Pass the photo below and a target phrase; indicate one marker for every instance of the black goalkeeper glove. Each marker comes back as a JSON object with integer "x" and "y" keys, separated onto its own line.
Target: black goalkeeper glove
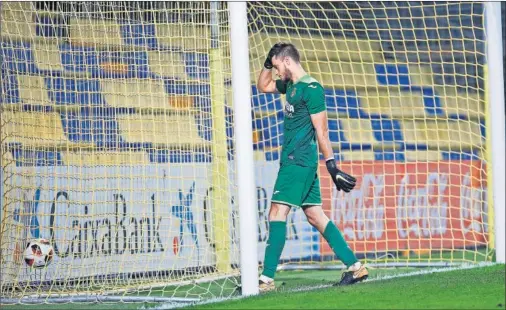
{"x": 268, "y": 60}
{"x": 342, "y": 180}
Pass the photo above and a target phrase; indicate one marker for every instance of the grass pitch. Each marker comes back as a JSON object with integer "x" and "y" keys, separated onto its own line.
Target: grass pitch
{"x": 476, "y": 288}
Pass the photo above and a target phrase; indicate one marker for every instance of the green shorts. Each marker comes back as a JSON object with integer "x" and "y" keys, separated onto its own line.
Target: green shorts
{"x": 297, "y": 186}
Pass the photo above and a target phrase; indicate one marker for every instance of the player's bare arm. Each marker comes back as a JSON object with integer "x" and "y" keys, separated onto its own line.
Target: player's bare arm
{"x": 320, "y": 123}
{"x": 266, "y": 84}
{"x": 342, "y": 180}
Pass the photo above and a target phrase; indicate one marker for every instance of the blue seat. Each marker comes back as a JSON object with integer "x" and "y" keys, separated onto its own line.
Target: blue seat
{"x": 18, "y": 57}
{"x": 50, "y": 26}
{"x": 386, "y": 130}
{"x": 344, "y": 102}
{"x": 389, "y": 155}
{"x": 9, "y": 87}
{"x": 432, "y": 102}
{"x": 141, "y": 34}
{"x": 84, "y": 92}
{"x": 273, "y": 154}
{"x": 272, "y": 131}
{"x": 336, "y": 133}
{"x": 204, "y": 122}
{"x": 105, "y": 64}
{"x": 265, "y": 102}
{"x": 178, "y": 156}
{"x": 97, "y": 125}
{"x": 197, "y": 65}
{"x": 392, "y": 74}
{"x": 78, "y": 58}
{"x": 461, "y": 155}
{"x": 34, "y": 158}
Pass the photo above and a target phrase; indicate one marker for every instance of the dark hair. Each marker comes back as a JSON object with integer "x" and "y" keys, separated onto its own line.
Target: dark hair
{"x": 283, "y": 49}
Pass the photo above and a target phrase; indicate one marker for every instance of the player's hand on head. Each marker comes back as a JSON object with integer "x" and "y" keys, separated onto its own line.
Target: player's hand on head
{"x": 268, "y": 60}
{"x": 342, "y": 180}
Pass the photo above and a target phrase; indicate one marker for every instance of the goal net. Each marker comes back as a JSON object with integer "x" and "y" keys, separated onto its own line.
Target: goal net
{"x": 404, "y": 85}
{"x": 117, "y": 142}
{"x": 117, "y": 147}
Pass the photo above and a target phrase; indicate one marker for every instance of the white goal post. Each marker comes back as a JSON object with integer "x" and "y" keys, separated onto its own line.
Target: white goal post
{"x": 133, "y": 137}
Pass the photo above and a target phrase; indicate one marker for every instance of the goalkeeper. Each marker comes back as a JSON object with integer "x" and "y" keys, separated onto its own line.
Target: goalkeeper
{"x": 298, "y": 183}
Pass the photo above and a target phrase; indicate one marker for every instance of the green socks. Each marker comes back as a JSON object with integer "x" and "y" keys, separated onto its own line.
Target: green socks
{"x": 275, "y": 245}
{"x": 339, "y": 245}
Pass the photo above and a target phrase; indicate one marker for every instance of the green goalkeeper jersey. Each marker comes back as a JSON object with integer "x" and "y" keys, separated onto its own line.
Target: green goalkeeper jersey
{"x": 303, "y": 98}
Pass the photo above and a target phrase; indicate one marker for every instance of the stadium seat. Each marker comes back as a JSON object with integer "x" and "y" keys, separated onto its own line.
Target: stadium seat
{"x": 17, "y": 20}
{"x": 422, "y": 156}
{"x": 342, "y": 49}
{"x": 163, "y": 130}
{"x": 70, "y": 91}
{"x": 336, "y": 134}
{"x": 92, "y": 125}
{"x": 148, "y": 94}
{"x": 358, "y": 131}
{"x": 265, "y": 102}
{"x": 101, "y": 158}
{"x": 18, "y": 57}
{"x": 443, "y": 134}
{"x": 197, "y": 65}
{"x": 465, "y": 134}
{"x": 47, "y": 56}
{"x": 187, "y": 37}
{"x": 139, "y": 33}
{"x": 356, "y": 155}
{"x": 162, "y": 156}
{"x": 167, "y": 64}
{"x": 34, "y": 129}
{"x": 470, "y": 104}
{"x": 323, "y": 48}
{"x": 94, "y": 32}
{"x": 421, "y": 75}
{"x": 387, "y": 131}
{"x": 272, "y": 153}
{"x": 33, "y": 90}
{"x": 30, "y": 157}
{"x": 393, "y": 103}
{"x": 348, "y": 75}
{"x": 343, "y": 102}
{"x": 415, "y": 133}
{"x": 272, "y": 131}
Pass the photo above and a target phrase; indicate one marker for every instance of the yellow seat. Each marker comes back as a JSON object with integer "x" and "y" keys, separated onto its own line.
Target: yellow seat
{"x": 357, "y": 155}
{"x": 167, "y": 64}
{"x": 348, "y": 75}
{"x": 144, "y": 94}
{"x": 420, "y": 75}
{"x": 392, "y": 102}
{"x": 17, "y": 20}
{"x": 423, "y": 156}
{"x": 358, "y": 131}
{"x": 414, "y": 132}
{"x": 33, "y": 90}
{"x": 165, "y": 130}
{"x": 93, "y": 32}
{"x": 323, "y": 48}
{"x": 109, "y": 158}
{"x": 47, "y": 56}
{"x": 443, "y": 134}
{"x": 33, "y": 129}
{"x": 467, "y": 103}
{"x": 187, "y": 37}
{"x": 466, "y": 133}
{"x": 340, "y": 49}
